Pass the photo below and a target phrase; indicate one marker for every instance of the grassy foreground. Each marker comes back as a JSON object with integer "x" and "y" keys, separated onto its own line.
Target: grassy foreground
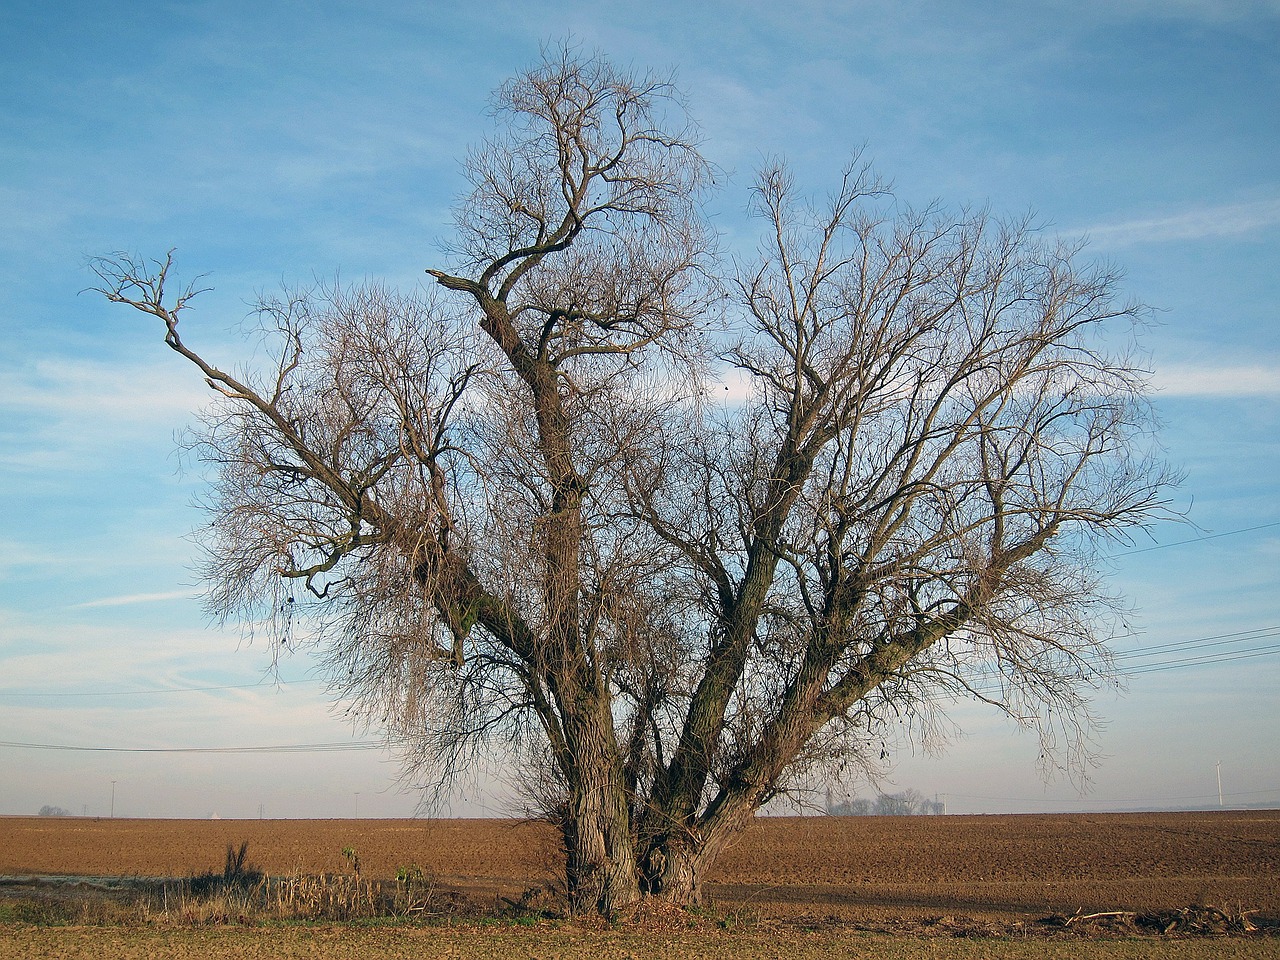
{"x": 425, "y": 943}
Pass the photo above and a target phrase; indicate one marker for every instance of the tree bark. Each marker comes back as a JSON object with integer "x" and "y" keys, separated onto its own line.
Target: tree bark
{"x": 671, "y": 872}
{"x": 600, "y": 858}
{"x": 675, "y": 864}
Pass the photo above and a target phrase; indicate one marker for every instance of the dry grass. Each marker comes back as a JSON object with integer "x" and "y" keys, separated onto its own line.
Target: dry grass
{"x": 198, "y": 901}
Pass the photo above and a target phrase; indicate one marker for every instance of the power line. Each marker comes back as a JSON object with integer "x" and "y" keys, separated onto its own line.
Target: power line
{"x": 1108, "y": 800}
{"x": 157, "y": 692}
{"x": 1203, "y": 661}
{"x": 989, "y": 685}
{"x": 1222, "y": 639}
{"x": 334, "y": 747}
{"x": 1161, "y": 649}
{"x": 1211, "y": 536}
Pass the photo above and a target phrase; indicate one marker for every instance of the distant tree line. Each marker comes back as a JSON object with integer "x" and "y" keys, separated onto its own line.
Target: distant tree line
{"x": 49, "y": 810}
{"x": 908, "y": 803}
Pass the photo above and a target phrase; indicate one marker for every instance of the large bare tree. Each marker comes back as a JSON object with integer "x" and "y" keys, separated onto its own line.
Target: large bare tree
{"x": 518, "y": 511}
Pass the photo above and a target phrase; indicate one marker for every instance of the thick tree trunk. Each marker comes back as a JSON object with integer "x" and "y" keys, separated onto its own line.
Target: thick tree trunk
{"x": 600, "y": 873}
{"x": 674, "y": 865}
{"x": 600, "y": 857}
{"x": 671, "y": 871}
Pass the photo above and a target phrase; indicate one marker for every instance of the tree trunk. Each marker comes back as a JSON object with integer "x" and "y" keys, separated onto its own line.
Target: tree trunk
{"x": 671, "y": 871}
{"x": 600, "y": 857}
{"x": 600, "y": 872}
{"x": 675, "y": 864}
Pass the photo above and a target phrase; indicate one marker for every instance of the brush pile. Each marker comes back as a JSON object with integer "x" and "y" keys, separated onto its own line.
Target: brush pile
{"x": 1198, "y": 920}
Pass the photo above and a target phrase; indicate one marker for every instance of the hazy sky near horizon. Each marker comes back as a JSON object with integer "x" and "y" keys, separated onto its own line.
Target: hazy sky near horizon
{"x": 280, "y": 142}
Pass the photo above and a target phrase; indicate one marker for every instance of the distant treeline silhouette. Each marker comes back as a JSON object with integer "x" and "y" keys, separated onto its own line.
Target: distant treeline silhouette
{"x": 908, "y": 803}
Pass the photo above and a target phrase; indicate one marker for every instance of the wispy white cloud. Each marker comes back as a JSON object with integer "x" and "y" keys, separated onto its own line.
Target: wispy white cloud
{"x": 1200, "y": 223}
{"x": 109, "y": 654}
{"x": 79, "y": 683}
{"x": 65, "y": 387}
{"x": 734, "y": 387}
{"x": 62, "y": 413}
{"x": 1190, "y": 380}
{"x": 18, "y": 555}
{"x": 134, "y": 598}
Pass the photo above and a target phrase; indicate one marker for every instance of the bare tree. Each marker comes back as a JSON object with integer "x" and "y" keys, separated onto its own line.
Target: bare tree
{"x": 509, "y": 512}
{"x": 905, "y": 511}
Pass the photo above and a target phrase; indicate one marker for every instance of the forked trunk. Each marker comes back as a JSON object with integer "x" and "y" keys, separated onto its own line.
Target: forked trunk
{"x": 675, "y": 865}
{"x": 671, "y": 871}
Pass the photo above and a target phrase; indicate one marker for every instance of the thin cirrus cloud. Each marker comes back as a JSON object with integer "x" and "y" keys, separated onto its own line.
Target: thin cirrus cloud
{"x": 60, "y": 385}
{"x": 43, "y": 399}
{"x": 1190, "y": 380}
{"x": 128, "y": 600}
{"x": 1210, "y": 222}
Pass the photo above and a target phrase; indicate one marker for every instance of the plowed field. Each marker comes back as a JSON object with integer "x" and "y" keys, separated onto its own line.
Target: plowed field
{"x": 851, "y": 869}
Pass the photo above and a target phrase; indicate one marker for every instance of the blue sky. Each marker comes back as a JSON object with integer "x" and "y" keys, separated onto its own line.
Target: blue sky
{"x": 275, "y": 142}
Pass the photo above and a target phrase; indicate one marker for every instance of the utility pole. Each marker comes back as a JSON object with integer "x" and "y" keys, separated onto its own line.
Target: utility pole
{"x": 113, "y": 799}
{"x": 1219, "y": 783}
{"x": 357, "y": 804}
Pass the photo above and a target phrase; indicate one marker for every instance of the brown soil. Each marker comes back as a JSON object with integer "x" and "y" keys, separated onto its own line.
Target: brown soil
{"x": 864, "y": 870}
{"x": 569, "y": 943}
